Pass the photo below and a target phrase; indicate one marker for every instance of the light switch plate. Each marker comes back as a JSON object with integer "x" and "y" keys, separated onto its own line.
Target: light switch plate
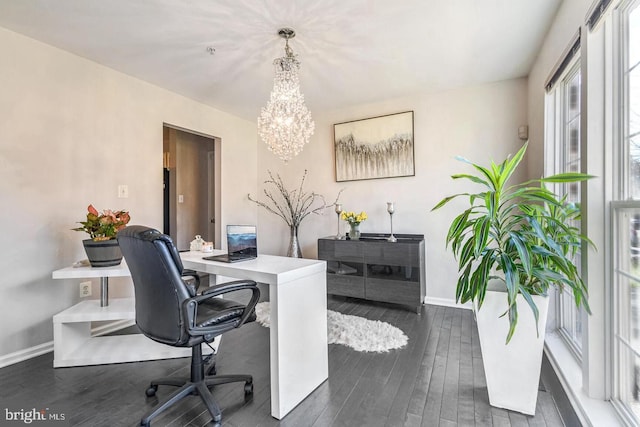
{"x": 123, "y": 191}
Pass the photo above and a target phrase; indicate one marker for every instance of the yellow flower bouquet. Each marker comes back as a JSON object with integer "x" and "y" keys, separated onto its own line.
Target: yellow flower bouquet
{"x": 353, "y": 218}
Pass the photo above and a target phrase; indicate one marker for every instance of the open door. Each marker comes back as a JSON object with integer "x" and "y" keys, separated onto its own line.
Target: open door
{"x": 191, "y": 187}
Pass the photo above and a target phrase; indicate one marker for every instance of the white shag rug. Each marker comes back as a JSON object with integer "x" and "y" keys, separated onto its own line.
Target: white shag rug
{"x": 353, "y": 331}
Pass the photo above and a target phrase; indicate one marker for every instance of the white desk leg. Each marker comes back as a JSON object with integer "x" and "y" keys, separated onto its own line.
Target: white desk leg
{"x": 298, "y": 347}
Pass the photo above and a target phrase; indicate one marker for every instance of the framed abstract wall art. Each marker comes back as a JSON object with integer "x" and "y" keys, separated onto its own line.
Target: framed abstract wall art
{"x": 377, "y": 147}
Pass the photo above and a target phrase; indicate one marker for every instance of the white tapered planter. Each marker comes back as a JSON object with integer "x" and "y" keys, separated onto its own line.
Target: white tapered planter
{"x": 512, "y": 370}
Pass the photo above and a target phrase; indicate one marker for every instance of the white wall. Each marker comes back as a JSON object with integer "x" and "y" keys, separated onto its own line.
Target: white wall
{"x": 568, "y": 20}
{"x": 71, "y": 131}
{"x": 479, "y": 123}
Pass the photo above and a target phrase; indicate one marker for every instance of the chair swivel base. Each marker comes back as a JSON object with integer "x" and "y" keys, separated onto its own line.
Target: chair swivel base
{"x": 200, "y": 388}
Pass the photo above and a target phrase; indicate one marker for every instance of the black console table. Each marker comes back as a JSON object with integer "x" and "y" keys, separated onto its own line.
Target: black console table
{"x": 374, "y": 269}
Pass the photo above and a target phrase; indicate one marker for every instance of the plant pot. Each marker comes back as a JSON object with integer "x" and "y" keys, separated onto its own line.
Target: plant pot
{"x": 512, "y": 370}
{"x": 104, "y": 253}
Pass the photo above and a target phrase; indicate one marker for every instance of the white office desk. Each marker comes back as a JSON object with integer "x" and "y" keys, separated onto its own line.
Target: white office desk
{"x": 298, "y": 332}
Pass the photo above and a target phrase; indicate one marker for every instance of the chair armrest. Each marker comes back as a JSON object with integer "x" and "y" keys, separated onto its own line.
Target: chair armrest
{"x": 190, "y": 306}
{"x": 224, "y": 288}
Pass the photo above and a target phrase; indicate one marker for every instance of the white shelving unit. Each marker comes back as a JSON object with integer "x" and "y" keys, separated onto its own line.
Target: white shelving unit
{"x": 74, "y": 343}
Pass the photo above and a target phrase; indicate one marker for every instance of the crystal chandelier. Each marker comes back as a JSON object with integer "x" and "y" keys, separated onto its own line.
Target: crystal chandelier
{"x": 285, "y": 124}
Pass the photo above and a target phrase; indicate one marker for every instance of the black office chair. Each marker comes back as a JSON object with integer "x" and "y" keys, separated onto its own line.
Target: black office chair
{"x": 169, "y": 311}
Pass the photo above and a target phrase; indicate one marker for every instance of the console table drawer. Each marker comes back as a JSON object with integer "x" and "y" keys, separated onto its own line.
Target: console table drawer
{"x": 348, "y": 286}
{"x": 344, "y": 250}
{"x": 399, "y": 292}
{"x": 392, "y": 254}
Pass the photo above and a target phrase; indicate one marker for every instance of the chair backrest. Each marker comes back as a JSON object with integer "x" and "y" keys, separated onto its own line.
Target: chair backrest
{"x": 155, "y": 267}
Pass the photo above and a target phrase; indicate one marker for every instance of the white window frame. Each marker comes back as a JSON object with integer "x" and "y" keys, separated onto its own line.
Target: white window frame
{"x": 622, "y": 206}
{"x": 556, "y": 101}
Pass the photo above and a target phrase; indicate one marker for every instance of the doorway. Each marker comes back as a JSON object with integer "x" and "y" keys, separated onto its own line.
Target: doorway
{"x": 191, "y": 196}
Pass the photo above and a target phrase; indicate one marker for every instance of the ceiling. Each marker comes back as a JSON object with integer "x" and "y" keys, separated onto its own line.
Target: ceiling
{"x": 352, "y": 51}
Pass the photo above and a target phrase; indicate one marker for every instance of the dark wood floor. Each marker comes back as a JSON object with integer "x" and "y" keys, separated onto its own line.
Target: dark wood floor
{"x": 437, "y": 380}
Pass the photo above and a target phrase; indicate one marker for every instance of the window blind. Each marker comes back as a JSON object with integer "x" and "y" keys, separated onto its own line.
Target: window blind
{"x": 570, "y": 52}
{"x": 596, "y": 12}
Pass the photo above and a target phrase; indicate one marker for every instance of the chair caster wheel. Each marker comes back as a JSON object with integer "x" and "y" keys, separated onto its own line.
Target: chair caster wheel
{"x": 151, "y": 391}
{"x": 248, "y": 388}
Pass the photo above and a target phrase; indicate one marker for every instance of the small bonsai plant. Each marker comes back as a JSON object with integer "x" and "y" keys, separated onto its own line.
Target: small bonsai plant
{"x": 521, "y": 235}
{"x": 105, "y": 225}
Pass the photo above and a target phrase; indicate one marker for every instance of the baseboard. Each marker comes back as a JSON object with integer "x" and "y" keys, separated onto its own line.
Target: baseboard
{"x": 446, "y": 302}
{"x": 47, "y": 347}
{"x": 26, "y": 354}
{"x": 112, "y": 327}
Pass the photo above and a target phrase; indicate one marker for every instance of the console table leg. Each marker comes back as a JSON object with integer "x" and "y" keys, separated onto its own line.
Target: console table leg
{"x": 104, "y": 291}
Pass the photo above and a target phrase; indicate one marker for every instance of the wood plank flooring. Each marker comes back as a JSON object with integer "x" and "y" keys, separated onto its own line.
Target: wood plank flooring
{"x": 436, "y": 380}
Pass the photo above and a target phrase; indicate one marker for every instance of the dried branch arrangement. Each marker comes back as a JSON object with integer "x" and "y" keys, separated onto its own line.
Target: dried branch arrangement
{"x": 292, "y": 205}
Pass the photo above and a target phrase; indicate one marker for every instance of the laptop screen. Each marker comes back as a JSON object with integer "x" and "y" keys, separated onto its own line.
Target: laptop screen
{"x": 242, "y": 240}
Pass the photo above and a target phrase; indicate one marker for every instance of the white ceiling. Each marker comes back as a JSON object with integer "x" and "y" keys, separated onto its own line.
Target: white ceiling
{"x": 352, "y": 51}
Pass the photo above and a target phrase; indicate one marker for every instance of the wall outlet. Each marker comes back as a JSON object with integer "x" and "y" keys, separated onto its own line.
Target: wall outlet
{"x": 85, "y": 289}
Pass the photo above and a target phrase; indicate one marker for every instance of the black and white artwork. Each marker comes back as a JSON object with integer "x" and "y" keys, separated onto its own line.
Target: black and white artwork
{"x": 377, "y": 147}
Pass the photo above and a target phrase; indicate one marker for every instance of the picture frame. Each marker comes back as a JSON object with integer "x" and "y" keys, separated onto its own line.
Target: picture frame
{"x": 375, "y": 147}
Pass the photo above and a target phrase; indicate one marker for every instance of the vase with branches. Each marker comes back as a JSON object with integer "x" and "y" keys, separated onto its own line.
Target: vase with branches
{"x": 293, "y": 206}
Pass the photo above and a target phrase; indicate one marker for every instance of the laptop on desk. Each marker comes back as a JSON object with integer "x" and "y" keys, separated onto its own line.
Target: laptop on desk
{"x": 241, "y": 244}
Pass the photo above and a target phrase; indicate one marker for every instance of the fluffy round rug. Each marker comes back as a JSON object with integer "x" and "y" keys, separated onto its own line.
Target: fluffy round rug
{"x": 353, "y": 331}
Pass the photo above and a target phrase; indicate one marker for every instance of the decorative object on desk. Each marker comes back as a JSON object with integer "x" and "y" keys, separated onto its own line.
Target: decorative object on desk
{"x": 353, "y": 331}
{"x": 102, "y": 248}
{"x": 512, "y": 244}
{"x": 354, "y": 221}
{"x": 207, "y": 246}
{"x": 293, "y": 206}
{"x": 338, "y": 211}
{"x": 391, "y": 209}
{"x": 196, "y": 244}
{"x": 285, "y": 124}
{"x": 377, "y": 147}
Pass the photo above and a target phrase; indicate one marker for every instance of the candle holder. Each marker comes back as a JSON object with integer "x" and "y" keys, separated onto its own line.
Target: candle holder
{"x": 338, "y": 212}
{"x": 391, "y": 210}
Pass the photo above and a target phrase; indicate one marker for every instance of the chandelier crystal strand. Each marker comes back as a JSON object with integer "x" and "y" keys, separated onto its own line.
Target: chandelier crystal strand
{"x": 285, "y": 123}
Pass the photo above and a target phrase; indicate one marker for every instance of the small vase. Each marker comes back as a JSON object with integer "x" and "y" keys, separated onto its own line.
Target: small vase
{"x": 294, "y": 246}
{"x": 104, "y": 253}
{"x": 354, "y": 234}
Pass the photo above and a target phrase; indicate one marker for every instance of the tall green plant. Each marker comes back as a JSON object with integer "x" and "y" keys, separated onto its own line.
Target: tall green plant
{"x": 522, "y": 235}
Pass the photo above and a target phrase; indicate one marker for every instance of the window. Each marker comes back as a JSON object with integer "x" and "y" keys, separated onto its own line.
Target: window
{"x": 626, "y": 218}
{"x": 570, "y": 316}
{"x": 563, "y": 143}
